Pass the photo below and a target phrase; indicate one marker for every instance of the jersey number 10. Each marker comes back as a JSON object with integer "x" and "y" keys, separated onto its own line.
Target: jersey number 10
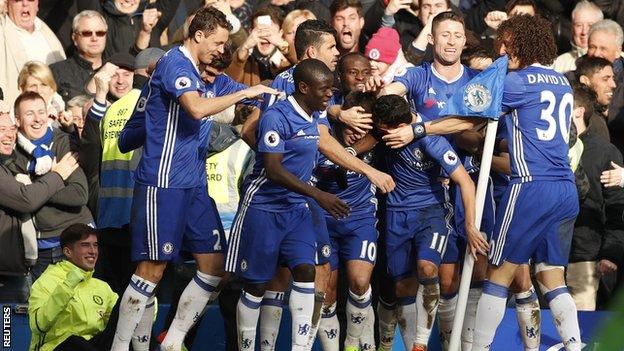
{"x": 562, "y": 114}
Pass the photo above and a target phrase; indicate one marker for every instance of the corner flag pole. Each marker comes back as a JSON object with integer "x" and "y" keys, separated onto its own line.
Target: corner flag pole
{"x": 466, "y": 276}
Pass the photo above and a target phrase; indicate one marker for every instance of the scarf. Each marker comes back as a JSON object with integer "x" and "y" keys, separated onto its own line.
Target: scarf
{"x": 40, "y": 149}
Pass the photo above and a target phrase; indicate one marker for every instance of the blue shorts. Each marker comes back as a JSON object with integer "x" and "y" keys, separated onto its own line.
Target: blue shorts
{"x": 166, "y": 221}
{"x": 456, "y": 247}
{"x": 412, "y": 235}
{"x": 319, "y": 226}
{"x": 535, "y": 220}
{"x": 261, "y": 239}
{"x": 353, "y": 238}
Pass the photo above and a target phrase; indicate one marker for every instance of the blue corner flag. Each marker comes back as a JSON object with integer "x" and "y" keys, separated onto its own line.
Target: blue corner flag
{"x": 482, "y": 95}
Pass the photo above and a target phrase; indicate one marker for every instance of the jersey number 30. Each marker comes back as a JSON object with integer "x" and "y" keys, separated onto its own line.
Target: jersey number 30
{"x": 562, "y": 114}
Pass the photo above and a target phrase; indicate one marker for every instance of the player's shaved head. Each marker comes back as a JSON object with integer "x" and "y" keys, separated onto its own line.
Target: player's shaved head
{"x": 311, "y": 72}
{"x": 390, "y": 111}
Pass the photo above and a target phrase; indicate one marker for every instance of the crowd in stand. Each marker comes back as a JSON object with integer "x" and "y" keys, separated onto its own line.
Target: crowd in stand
{"x": 71, "y": 74}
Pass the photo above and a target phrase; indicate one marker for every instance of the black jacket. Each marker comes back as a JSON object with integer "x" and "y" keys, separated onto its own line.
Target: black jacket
{"x": 17, "y": 199}
{"x": 67, "y": 206}
{"x": 599, "y": 227}
{"x": 123, "y": 29}
{"x": 71, "y": 76}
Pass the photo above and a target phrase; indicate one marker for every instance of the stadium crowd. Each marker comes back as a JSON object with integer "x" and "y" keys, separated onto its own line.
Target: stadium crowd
{"x": 291, "y": 152}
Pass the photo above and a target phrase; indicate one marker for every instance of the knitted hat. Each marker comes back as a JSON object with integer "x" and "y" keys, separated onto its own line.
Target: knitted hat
{"x": 384, "y": 46}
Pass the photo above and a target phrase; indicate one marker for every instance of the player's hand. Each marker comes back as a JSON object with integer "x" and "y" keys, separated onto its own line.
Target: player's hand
{"x": 150, "y": 18}
{"x": 494, "y": 19}
{"x": 399, "y": 137}
{"x": 356, "y": 118}
{"x": 332, "y": 204}
{"x": 613, "y": 177}
{"x": 606, "y": 266}
{"x": 395, "y": 5}
{"x": 258, "y": 90}
{"x": 476, "y": 241}
{"x": 66, "y": 166}
{"x": 381, "y": 180}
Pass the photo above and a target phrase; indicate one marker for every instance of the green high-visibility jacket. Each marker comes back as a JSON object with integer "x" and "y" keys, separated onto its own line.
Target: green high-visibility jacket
{"x": 60, "y": 306}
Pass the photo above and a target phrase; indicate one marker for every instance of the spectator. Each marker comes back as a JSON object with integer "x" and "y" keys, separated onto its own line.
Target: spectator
{"x": 348, "y": 21}
{"x": 18, "y": 200}
{"x": 89, "y": 36}
{"x": 261, "y": 56}
{"x": 597, "y": 74}
{"x": 68, "y": 308}
{"x": 289, "y": 28}
{"x": 144, "y": 63}
{"x": 37, "y": 77}
{"x": 37, "y": 146}
{"x": 584, "y": 15}
{"x": 384, "y": 51}
{"x": 605, "y": 40}
{"x": 24, "y": 38}
{"x": 598, "y": 240}
{"x": 76, "y": 107}
{"x": 119, "y": 74}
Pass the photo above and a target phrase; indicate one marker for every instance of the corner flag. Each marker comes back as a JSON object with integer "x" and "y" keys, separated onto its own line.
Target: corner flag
{"x": 482, "y": 95}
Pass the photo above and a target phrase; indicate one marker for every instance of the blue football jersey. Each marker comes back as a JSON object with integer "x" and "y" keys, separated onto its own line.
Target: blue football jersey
{"x": 416, "y": 169}
{"x": 221, "y": 86}
{"x": 359, "y": 193}
{"x": 539, "y": 102}
{"x": 170, "y": 153}
{"x": 283, "y": 82}
{"x": 287, "y": 129}
{"x": 428, "y": 91}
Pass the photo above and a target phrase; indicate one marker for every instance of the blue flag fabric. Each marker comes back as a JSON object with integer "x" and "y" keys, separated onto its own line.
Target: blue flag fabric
{"x": 482, "y": 96}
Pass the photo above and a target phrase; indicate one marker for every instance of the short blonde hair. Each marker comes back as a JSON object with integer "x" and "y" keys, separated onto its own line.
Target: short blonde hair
{"x": 294, "y": 14}
{"x": 37, "y": 70}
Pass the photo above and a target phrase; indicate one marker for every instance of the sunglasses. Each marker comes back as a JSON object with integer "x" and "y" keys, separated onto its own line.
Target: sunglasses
{"x": 90, "y": 33}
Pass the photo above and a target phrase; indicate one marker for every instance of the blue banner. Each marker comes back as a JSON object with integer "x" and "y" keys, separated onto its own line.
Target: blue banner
{"x": 482, "y": 95}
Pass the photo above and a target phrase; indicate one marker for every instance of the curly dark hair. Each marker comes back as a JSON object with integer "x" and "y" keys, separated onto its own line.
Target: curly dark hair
{"x": 529, "y": 39}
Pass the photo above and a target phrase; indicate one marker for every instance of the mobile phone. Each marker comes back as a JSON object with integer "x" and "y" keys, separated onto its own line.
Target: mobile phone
{"x": 264, "y": 21}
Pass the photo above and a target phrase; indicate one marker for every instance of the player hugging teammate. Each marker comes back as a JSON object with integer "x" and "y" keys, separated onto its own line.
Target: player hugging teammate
{"x": 310, "y": 206}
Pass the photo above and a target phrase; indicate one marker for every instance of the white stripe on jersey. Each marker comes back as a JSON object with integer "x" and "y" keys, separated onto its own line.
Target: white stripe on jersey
{"x": 235, "y": 234}
{"x": 169, "y": 145}
{"x": 523, "y": 168}
{"x": 152, "y": 222}
{"x": 509, "y": 213}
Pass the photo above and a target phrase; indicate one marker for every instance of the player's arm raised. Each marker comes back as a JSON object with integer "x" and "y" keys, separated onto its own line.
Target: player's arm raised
{"x": 199, "y": 107}
{"x": 276, "y": 172}
{"x": 331, "y": 148}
